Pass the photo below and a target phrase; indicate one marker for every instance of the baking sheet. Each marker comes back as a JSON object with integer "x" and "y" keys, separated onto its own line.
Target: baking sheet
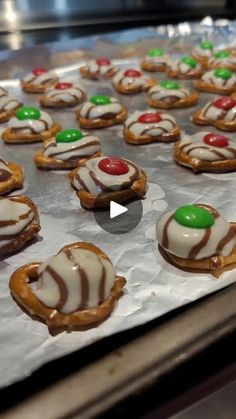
{"x": 153, "y": 287}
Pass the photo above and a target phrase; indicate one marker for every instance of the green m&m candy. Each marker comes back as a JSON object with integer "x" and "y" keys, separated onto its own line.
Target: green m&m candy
{"x": 223, "y": 73}
{"x": 68, "y": 136}
{"x": 206, "y": 45}
{"x": 222, "y": 54}
{"x": 28, "y": 112}
{"x": 194, "y": 216}
{"x": 155, "y": 52}
{"x": 170, "y": 84}
{"x": 100, "y": 100}
{"x": 189, "y": 61}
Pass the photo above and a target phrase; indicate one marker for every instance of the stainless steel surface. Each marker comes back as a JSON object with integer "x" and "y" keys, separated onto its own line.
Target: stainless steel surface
{"x": 135, "y": 366}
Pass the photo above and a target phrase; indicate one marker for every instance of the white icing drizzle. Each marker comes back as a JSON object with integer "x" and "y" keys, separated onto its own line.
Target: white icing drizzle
{"x": 87, "y": 146}
{"x": 19, "y": 213}
{"x": 202, "y": 52}
{"x": 194, "y": 146}
{"x": 7, "y": 103}
{"x": 45, "y": 78}
{"x": 211, "y": 112}
{"x": 65, "y": 95}
{"x": 94, "y": 180}
{"x": 182, "y": 67}
{"x": 85, "y": 280}
{"x": 102, "y": 69}
{"x": 182, "y": 239}
{"x": 167, "y": 124}
{"x": 31, "y": 126}
{"x": 90, "y": 111}
{"x": 126, "y": 81}
{"x": 158, "y": 92}
{"x": 209, "y": 77}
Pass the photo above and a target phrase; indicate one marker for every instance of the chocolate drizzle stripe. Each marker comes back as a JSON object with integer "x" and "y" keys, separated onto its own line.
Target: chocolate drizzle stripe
{"x": 84, "y": 281}
{"x": 6, "y": 223}
{"x": 196, "y": 249}
{"x": 58, "y": 153}
{"x": 182, "y": 147}
{"x": 206, "y": 109}
{"x": 146, "y": 131}
{"x": 165, "y": 238}
{"x": 232, "y": 150}
{"x": 61, "y": 285}
{"x": 215, "y": 152}
{"x": 80, "y": 180}
{"x": 13, "y": 236}
{"x": 226, "y": 239}
{"x": 102, "y": 283}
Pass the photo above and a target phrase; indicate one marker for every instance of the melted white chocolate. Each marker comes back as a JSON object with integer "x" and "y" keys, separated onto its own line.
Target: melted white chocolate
{"x": 72, "y": 94}
{"x": 202, "y": 52}
{"x": 101, "y": 69}
{"x": 7, "y": 103}
{"x": 45, "y": 78}
{"x": 126, "y": 81}
{"x": 211, "y": 112}
{"x": 194, "y": 146}
{"x": 158, "y": 92}
{"x": 183, "y": 68}
{"x": 167, "y": 124}
{"x": 16, "y": 217}
{"x": 74, "y": 280}
{"x": 91, "y": 178}
{"x": 87, "y": 146}
{"x": 32, "y": 126}
{"x": 210, "y": 78}
{"x": 181, "y": 239}
{"x": 90, "y": 111}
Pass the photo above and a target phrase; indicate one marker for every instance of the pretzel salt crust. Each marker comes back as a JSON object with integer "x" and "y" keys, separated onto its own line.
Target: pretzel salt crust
{"x": 95, "y": 189}
{"x": 193, "y": 153}
{"x": 18, "y": 236}
{"x": 54, "y": 317}
{"x": 11, "y": 176}
{"x": 216, "y": 263}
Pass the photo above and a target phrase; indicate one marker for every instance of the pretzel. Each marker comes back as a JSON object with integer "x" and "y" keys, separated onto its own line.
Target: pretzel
{"x": 15, "y": 181}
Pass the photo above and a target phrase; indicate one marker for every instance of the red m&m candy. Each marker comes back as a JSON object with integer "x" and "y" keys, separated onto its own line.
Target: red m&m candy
{"x": 39, "y": 71}
{"x": 103, "y": 61}
{"x": 63, "y": 85}
{"x": 225, "y": 103}
{"x": 216, "y": 140}
{"x": 132, "y": 73}
{"x": 150, "y": 117}
{"x": 113, "y": 166}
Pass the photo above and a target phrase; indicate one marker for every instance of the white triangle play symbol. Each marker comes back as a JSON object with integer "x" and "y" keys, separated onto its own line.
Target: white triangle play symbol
{"x": 116, "y": 209}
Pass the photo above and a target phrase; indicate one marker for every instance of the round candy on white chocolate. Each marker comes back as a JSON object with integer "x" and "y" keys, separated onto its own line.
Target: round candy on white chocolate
{"x": 100, "y": 107}
{"x": 40, "y": 76}
{"x": 168, "y": 90}
{"x": 220, "y": 77}
{"x": 131, "y": 77}
{"x": 72, "y": 144}
{"x": 30, "y": 120}
{"x": 105, "y": 174}
{"x": 101, "y": 65}
{"x": 74, "y": 279}
{"x": 221, "y": 108}
{"x": 157, "y": 56}
{"x": 150, "y": 123}
{"x": 195, "y": 232}
{"x": 65, "y": 92}
{"x": 14, "y": 219}
{"x": 186, "y": 65}
{"x": 204, "y": 49}
{"x": 208, "y": 146}
{"x": 222, "y": 58}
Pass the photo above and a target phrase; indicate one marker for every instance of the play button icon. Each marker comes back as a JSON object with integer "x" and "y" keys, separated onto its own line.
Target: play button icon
{"x": 116, "y": 209}
{"x": 119, "y": 219}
